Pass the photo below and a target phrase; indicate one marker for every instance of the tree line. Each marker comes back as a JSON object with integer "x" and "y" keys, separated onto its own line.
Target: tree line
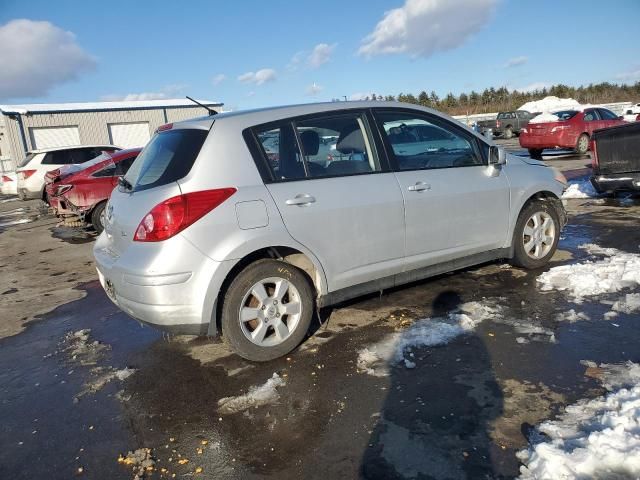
{"x": 502, "y": 99}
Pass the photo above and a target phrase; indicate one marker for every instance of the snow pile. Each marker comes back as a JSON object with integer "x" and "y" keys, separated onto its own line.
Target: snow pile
{"x": 597, "y": 438}
{"x": 580, "y": 189}
{"x": 551, "y": 104}
{"x": 545, "y": 117}
{"x": 629, "y": 304}
{"x": 428, "y": 332}
{"x": 617, "y": 270}
{"x": 257, "y": 396}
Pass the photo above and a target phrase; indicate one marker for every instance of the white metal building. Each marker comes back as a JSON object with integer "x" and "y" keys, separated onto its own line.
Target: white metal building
{"x": 125, "y": 124}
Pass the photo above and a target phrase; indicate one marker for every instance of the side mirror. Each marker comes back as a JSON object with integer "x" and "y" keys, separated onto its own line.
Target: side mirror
{"x": 497, "y": 155}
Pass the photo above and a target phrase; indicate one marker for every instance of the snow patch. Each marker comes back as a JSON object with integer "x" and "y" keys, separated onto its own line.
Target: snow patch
{"x": 257, "y": 396}
{"x": 15, "y": 222}
{"x": 572, "y": 316}
{"x": 628, "y": 304}
{"x": 597, "y": 438}
{"x": 616, "y": 271}
{"x": 580, "y": 189}
{"x": 428, "y": 332}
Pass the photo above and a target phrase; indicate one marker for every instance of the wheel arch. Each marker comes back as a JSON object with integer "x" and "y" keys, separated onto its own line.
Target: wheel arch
{"x": 291, "y": 255}
{"x": 542, "y": 195}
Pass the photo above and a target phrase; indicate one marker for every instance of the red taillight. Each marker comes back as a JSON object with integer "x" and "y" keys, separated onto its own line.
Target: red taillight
{"x": 174, "y": 215}
{"x": 594, "y": 155}
{"x": 26, "y": 173}
{"x": 167, "y": 126}
{"x": 6, "y": 179}
{"x": 498, "y": 124}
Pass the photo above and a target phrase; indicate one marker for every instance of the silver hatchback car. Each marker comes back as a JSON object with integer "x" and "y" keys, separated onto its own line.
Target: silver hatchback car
{"x": 245, "y": 223}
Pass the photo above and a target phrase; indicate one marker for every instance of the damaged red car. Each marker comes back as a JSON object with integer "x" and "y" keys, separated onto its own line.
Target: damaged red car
{"x": 78, "y": 193}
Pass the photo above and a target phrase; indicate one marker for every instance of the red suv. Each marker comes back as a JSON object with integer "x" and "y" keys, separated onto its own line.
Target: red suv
{"x": 84, "y": 193}
{"x": 572, "y": 129}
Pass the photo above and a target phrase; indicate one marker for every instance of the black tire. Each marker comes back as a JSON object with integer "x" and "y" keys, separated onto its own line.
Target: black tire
{"x": 508, "y": 133}
{"x": 21, "y": 195}
{"x": 520, "y": 256}
{"x": 582, "y": 144}
{"x": 96, "y": 217}
{"x": 241, "y": 286}
{"x": 535, "y": 153}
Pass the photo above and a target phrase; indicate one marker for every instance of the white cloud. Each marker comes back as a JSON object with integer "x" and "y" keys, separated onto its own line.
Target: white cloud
{"x": 258, "y": 78}
{"x": 421, "y": 28}
{"x": 218, "y": 79}
{"x": 320, "y": 55}
{"x": 295, "y": 61}
{"x": 168, "y": 91}
{"x": 516, "y": 61}
{"x": 314, "y": 89}
{"x": 37, "y": 56}
{"x": 630, "y": 76}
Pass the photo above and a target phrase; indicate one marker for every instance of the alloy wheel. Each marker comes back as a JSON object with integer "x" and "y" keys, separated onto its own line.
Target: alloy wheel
{"x": 270, "y": 311}
{"x": 539, "y": 235}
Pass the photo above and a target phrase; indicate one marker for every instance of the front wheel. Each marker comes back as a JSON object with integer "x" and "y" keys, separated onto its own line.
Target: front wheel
{"x": 267, "y": 310}
{"x": 98, "y": 217}
{"x": 508, "y": 133}
{"x": 582, "y": 145}
{"x": 536, "y": 235}
{"x": 535, "y": 153}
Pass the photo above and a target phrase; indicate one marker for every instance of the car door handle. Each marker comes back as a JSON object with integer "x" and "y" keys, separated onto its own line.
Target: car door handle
{"x": 419, "y": 187}
{"x": 301, "y": 199}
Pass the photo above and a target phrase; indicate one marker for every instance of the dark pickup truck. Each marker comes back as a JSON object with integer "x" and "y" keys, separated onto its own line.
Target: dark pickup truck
{"x": 615, "y": 158}
{"x": 507, "y": 124}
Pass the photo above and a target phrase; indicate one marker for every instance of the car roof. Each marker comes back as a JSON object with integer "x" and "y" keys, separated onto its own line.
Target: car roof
{"x": 125, "y": 153}
{"x": 247, "y": 118}
{"x": 70, "y": 147}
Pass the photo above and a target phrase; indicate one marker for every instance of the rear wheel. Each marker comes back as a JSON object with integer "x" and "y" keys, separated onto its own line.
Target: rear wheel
{"x": 508, "y": 133}
{"x": 267, "y": 310}
{"x": 536, "y": 235}
{"x": 535, "y": 153}
{"x": 98, "y": 216}
{"x": 582, "y": 145}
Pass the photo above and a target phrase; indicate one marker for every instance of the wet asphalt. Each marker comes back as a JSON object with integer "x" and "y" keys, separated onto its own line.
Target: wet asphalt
{"x": 463, "y": 412}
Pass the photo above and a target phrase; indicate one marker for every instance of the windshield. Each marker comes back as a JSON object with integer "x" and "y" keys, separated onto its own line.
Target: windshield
{"x": 26, "y": 160}
{"x": 168, "y": 157}
{"x": 566, "y": 114}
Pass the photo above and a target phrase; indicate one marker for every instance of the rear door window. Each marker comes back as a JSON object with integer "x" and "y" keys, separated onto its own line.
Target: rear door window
{"x": 336, "y": 145}
{"x": 590, "y": 116}
{"x": 168, "y": 157}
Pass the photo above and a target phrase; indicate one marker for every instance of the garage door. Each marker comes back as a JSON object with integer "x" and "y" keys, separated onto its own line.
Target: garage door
{"x": 47, "y": 137}
{"x": 127, "y": 135}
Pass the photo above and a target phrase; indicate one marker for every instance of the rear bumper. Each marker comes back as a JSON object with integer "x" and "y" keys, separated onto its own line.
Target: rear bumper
{"x": 546, "y": 141}
{"x": 174, "y": 299}
{"x": 616, "y": 182}
{"x": 28, "y": 194}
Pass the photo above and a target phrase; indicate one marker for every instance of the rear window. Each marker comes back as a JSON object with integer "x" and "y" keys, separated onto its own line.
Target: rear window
{"x": 168, "y": 157}
{"x": 566, "y": 114}
{"x": 26, "y": 160}
{"x": 506, "y": 115}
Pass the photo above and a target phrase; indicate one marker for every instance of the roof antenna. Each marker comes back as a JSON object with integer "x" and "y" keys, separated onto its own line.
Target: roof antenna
{"x": 210, "y": 110}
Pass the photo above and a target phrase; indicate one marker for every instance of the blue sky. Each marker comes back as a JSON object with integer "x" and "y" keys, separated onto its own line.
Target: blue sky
{"x": 171, "y": 49}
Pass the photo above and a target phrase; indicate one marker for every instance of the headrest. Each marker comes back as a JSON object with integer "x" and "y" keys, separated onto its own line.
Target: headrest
{"x": 351, "y": 142}
{"x": 310, "y": 142}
